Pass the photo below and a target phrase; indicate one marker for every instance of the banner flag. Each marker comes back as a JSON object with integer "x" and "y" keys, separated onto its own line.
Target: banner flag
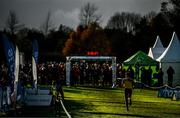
{"x": 16, "y": 73}
{"x": 34, "y": 61}
{"x": 34, "y": 72}
{"x": 9, "y": 50}
{"x": 35, "y": 50}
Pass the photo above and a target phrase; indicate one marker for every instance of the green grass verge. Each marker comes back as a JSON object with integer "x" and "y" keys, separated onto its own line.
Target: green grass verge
{"x": 84, "y": 102}
{"x": 109, "y": 103}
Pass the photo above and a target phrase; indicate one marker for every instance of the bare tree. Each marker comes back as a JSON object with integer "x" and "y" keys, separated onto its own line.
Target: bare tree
{"x": 150, "y": 16}
{"x": 88, "y": 14}
{"x": 47, "y": 25}
{"x": 124, "y": 21}
{"x": 12, "y": 23}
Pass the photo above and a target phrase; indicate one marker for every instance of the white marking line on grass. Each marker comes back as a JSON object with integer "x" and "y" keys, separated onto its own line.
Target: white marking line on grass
{"x": 69, "y": 116}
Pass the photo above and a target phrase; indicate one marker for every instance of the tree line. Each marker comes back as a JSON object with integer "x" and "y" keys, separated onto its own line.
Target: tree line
{"x": 124, "y": 34}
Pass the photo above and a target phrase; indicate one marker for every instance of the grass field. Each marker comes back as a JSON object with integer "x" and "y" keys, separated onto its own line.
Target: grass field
{"x": 84, "y": 102}
{"x": 109, "y": 103}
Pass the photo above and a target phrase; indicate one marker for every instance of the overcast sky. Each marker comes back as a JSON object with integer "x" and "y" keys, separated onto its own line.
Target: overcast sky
{"x": 33, "y": 12}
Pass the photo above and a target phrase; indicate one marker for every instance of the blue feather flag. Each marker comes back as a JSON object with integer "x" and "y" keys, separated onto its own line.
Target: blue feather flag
{"x": 9, "y": 50}
{"x": 35, "y": 50}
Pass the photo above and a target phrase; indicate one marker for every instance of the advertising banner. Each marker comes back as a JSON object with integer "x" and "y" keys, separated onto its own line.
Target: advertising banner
{"x": 168, "y": 92}
{"x": 38, "y": 100}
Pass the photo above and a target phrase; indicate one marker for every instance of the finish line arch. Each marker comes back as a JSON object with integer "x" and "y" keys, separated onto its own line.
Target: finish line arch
{"x": 71, "y": 58}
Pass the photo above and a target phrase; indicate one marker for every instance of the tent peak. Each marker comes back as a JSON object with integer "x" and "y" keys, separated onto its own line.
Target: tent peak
{"x": 174, "y": 36}
{"x": 158, "y": 43}
{"x": 156, "y": 51}
{"x": 170, "y": 54}
{"x": 141, "y": 59}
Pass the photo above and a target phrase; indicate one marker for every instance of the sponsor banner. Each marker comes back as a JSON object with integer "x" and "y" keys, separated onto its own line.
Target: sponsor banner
{"x": 39, "y": 91}
{"x": 9, "y": 50}
{"x": 30, "y": 91}
{"x": 17, "y": 86}
{"x": 34, "y": 72}
{"x": 34, "y": 61}
{"x": 38, "y": 100}
{"x": 35, "y": 52}
{"x": 43, "y": 92}
{"x": 167, "y": 92}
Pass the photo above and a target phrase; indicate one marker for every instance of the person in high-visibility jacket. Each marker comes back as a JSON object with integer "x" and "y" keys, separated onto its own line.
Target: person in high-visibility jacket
{"x": 127, "y": 83}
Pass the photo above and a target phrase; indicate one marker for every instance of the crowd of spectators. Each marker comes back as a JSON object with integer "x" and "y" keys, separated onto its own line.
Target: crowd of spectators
{"x": 82, "y": 73}
{"x": 90, "y": 73}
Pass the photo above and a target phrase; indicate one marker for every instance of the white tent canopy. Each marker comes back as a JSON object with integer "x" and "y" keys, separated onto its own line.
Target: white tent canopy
{"x": 157, "y": 49}
{"x": 171, "y": 57}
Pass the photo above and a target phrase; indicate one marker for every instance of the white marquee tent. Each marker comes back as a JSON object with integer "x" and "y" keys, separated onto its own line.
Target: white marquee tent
{"x": 157, "y": 49}
{"x": 171, "y": 57}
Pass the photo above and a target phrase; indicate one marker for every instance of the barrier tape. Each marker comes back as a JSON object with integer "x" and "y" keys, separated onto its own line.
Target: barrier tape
{"x": 159, "y": 87}
{"x": 69, "y": 116}
{"x": 147, "y": 86}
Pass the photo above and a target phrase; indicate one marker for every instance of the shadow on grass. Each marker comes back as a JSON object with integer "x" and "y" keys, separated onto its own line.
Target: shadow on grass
{"x": 76, "y": 106}
{"x": 107, "y": 101}
{"x": 146, "y": 105}
{"x": 49, "y": 111}
{"x": 97, "y": 88}
{"x": 116, "y": 114}
{"x": 38, "y": 111}
{"x": 79, "y": 90}
{"x": 72, "y": 90}
{"x": 178, "y": 114}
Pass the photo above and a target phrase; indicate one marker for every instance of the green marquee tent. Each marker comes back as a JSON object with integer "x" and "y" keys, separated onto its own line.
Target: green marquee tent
{"x": 140, "y": 58}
